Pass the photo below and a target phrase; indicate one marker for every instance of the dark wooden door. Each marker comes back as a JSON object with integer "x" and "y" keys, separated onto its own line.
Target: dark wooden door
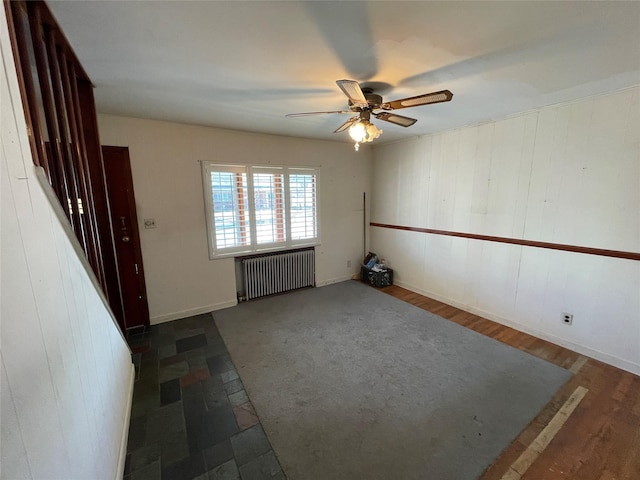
{"x": 124, "y": 219}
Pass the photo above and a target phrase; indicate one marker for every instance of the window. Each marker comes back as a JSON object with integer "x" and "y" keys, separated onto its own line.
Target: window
{"x": 251, "y": 209}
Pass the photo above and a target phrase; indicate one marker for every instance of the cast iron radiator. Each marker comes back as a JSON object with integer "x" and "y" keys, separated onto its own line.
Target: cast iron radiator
{"x": 278, "y": 272}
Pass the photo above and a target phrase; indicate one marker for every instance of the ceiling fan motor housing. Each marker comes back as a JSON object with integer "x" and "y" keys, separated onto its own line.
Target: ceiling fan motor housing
{"x": 373, "y": 99}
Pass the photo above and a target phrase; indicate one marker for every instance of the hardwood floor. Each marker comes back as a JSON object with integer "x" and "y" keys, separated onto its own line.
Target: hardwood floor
{"x": 599, "y": 441}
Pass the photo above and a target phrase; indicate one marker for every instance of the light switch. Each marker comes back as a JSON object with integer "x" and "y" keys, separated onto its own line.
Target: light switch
{"x": 149, "y": 223}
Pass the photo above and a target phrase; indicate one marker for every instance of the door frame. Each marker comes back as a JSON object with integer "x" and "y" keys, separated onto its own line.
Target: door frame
{"x": 134, "y": 234}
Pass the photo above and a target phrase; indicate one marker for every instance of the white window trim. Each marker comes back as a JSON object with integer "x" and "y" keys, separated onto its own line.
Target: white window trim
{"x": 253, "y": 247}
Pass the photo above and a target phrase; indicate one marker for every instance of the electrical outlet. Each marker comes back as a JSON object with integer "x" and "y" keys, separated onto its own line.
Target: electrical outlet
{"x": 567, "y": 318}
{"x": 348, "y": 263}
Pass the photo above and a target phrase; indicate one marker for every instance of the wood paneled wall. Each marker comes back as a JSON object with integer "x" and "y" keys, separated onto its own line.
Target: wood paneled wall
{"x": 522, "y": 219}
{"x": 66, "y": 376}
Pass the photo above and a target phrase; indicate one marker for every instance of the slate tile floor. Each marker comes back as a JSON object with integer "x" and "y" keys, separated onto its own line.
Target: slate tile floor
{"x": 191, "y": 417}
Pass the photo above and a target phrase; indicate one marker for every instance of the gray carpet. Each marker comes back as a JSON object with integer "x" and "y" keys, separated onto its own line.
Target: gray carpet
{"x": 351, "y": 383}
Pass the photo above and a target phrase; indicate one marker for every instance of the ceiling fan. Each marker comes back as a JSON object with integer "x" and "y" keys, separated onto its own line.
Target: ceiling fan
{"x": 365, "y": 103}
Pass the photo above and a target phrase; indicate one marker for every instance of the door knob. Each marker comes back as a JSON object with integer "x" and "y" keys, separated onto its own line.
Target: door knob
{"x": 126, "y": 239}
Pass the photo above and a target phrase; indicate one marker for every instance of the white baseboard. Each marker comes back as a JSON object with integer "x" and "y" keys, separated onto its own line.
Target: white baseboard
{"x": 191, "y": 312}
{"x": 334, "y": 280}
{"x": 582, "y": 349}
{"x": 219, "y": 306}
{"x": 125, "y": 428}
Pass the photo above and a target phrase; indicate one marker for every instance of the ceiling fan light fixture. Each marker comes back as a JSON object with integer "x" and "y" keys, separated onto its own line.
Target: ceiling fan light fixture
{"x": 363, "y": 131}
{"x": 357, "y": 132}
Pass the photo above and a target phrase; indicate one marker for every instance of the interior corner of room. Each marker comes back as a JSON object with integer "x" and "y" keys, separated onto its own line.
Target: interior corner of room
{"x": 526, "y": 217}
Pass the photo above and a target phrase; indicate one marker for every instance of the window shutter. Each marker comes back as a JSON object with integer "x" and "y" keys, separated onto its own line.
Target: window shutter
{"x": 230, "y": 209}
{"x": 302, "y": 195}
{"x": 268, "y": 194}
{"x": 260, "y": 208}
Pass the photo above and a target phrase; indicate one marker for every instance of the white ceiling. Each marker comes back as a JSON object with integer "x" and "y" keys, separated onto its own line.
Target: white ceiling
{"x": 243, "y": 65}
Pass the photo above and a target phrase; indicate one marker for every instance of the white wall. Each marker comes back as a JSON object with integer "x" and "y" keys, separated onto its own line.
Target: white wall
{"x": 181, "y": 280}
{"x": 66, "y": 372}
{"x": 566, "y": 174}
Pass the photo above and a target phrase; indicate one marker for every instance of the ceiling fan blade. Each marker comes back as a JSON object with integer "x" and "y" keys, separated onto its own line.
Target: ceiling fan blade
{"x": 306, "y": 114}
{"x": 397, "y": 119}
{"x": 352, "y": 89}
{"x": 345, "y": 125}
{"x": 427, "y": 98}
